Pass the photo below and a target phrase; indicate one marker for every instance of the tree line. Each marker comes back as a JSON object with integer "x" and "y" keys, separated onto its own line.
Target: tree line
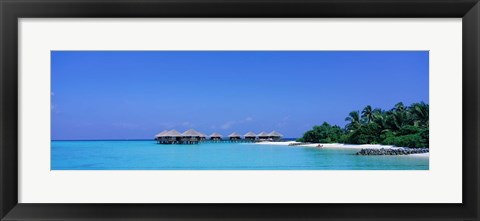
{"x": 405, "y": 126}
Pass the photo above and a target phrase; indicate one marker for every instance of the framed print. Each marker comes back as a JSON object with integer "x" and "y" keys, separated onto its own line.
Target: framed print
{"x": 400, "y": 132}
{"x": 239, "y": 110}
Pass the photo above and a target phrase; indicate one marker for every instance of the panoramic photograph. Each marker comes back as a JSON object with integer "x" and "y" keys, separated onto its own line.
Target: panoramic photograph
{"x": 240, "y": 110}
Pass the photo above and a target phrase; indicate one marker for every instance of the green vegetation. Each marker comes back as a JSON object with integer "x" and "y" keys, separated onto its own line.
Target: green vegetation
{"x": 405, "y": 126}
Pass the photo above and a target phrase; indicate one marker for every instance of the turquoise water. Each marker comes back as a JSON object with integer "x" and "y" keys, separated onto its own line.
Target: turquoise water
{"x": 147, "y": 155}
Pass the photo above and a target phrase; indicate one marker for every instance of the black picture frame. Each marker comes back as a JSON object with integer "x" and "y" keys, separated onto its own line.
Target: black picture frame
{"x": 12, "y": 10}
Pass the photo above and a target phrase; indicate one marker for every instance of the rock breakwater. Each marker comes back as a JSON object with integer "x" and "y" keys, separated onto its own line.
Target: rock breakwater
{"x": 392, "y": 151}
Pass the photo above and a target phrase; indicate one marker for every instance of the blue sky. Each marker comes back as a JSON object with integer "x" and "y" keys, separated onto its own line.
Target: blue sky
{"x": 136, "y": 94}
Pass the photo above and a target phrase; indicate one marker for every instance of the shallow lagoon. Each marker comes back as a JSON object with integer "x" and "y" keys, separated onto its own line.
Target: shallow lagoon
{"x": 147, "y": 155}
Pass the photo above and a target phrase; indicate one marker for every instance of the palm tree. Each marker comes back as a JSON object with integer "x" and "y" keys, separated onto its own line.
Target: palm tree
{"x": 398, "y": 116}
{"x": 354, "y": 119}
{"x": 398, "y": 119}
{"x": 420, "y": 113}
{"x": 367, "y": 114}
{"x": 377, "y": 113}
{"x": 399, "y": 107}
{"x": 380, "y": 117}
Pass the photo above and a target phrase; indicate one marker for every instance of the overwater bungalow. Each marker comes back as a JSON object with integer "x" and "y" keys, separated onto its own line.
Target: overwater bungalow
{"x": 250, "y": 136}
{"x": 191, "y": 136}
{"x": 170, "y": 137}
{"x": 216, "y": 136}
{"x": 234, "y": 136}
{"x": 263, "y": 136}
{"x": 274, "y": 136}
{"x": 160, "y": 135}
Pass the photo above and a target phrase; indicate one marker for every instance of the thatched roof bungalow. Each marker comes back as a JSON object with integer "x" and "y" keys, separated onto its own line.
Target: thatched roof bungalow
{"x": 161, "y": 134}
{"x": 172, "y": 133}
{"x": 250, "y": 136}
{"x": 160, "y": 137}
{"x": 234, "y": 136}
{"x": 169, "y": 137}
{"x": 263, "y": 135}
{"x": 191, "y": 136}
{"x": 274, "y": 135}
{"x": 192, "y": 133}
{"x": 215, "y": 136}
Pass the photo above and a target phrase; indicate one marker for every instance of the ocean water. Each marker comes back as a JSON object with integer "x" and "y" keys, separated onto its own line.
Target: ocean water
{"x": 148, "y": 155}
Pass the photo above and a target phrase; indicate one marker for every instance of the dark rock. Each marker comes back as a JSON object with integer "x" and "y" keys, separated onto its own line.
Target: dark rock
{"x": 399, "y": 151}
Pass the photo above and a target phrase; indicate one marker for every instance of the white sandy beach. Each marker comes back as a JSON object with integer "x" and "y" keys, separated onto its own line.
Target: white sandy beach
{"x": 331, "y": 145}
{"x": 419, "y": 155}
{"x": 343, "y": 146}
